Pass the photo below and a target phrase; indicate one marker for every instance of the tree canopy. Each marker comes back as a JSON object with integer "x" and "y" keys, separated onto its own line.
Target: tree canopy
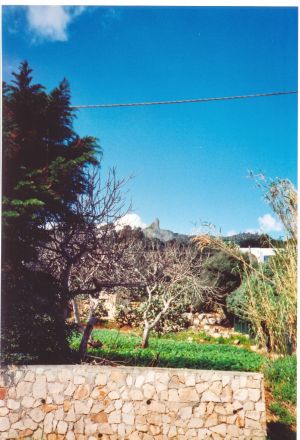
{"x": 44, "y": 172}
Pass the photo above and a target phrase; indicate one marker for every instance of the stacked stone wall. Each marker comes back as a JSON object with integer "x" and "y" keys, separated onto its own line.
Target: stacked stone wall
{"x": 99, "y": 402}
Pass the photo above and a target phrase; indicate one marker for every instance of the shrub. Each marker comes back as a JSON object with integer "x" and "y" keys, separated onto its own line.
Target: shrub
{"x": 283, "y": 414}
{"x": 33, "y": 325}
{"x": 282, "y": 378}
{"x": 267, "y": 298}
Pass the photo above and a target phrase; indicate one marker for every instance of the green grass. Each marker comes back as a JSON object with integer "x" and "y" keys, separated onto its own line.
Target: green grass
{"x": 281, "y": 376}
{"x": 283, "y": 414}
{"x": 167, "y": 352}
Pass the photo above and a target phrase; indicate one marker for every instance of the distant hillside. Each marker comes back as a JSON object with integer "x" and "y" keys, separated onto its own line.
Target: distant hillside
{"x": 244, "y": 239}
{"x": 154, "y": 231}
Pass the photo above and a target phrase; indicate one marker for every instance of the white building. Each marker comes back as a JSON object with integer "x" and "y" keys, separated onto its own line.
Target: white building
{"x": 261, "y": 254}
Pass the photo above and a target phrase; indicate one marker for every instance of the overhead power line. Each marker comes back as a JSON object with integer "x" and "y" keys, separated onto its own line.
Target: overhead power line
{"x": 185, "y": 101}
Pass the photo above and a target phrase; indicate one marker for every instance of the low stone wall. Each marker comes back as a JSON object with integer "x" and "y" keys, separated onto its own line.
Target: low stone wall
{"x": 98, "y": 402}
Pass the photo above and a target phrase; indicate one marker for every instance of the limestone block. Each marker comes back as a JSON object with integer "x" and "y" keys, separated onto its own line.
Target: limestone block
{"x": 172, "y": 432}
{"x": 79, "y": 426}
{"x": 210, "y": 408}
{"x": 65, "y": 375}
{"x": 55, "y": 387}
{"x": 39, "y": 388}
{"x": 29, "y": 376}
{"x": 78, "y": 380}
{"x": 27, "y": 402}
{"x": 241, "y": 395}
{"x": 196, "y": 423}
{"x": 81, "y": 408}
{"x": 90, "y": 428}
{"x": 154, "y": 419}
{"x": 71, "y": 416}
{"x": 4, "y": 424}
{"x": 114, "y": 395}
{"x": 37, "y": 415}
{"x": 139, "y": 381}
{"x": 211, "y": 420}
{"x": 24, "y": 389}
{"x": 260, "y": 406}
{"x": 82, "y": 392}
{"x": 190, "y": 380}
{"x": 233, "y": 431}
{"x": 203, "y": 434}
{"x": 50, "y": 375}
{"x": 226, "y": 395}
{"x": 14, "y": 417}
{"x": 173, "y": 396}
{"x": 209, "y": 396}
{"x": 117, "y": 376}
{"x": 13, "y": 404}
{"x": 248, "y": 406}
{"x": 254, "y": 415}
{"x": 157, "y": 407}
{"x": 101, "y": 417}
{"x": 48, "y": 421}
{"x": 140, "y": 427}
{"x": 188, "y": 394}
{"x": 254, "y": 395}
{"x": 58, "y": 399}
{"x": 185, "y": 413}
{"x": 219, "y": 429}
{"x": 69, "y": 391}
{"x": 201, "y": 387}
{"x": 3, "y": 411}
{"x": 225, "y": 380}
{"x": 114, "y": 417}
{"x": 29, "y": 423}
{"x": 148, "y": 391}
{"x": 154, "y": 429}
{"x": 136, "y": 394}
{"x": 253, "y": 383}
{"x": 220, "y": 409}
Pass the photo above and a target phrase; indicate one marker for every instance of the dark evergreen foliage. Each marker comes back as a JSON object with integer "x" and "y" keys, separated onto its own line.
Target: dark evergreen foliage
{"x": 44, "y": 163}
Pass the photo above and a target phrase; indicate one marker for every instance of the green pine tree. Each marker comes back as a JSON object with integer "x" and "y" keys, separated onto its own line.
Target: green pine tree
{"x": 44, "y": 163}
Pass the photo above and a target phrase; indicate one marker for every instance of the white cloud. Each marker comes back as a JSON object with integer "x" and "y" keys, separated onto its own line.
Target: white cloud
{"x": 231, "y": 232}
{"x": 132, "y": 219}
{"x": 252, "y": 231}
{"x": 268, "y": 223}
{"x": 51, "y": 22}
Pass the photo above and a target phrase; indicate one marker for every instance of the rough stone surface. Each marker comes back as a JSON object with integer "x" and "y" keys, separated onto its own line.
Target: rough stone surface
{"x": 90, "y": 402}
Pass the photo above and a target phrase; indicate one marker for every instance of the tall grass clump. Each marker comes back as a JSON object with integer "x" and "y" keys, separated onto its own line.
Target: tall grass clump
{"x": 267, "y": 297}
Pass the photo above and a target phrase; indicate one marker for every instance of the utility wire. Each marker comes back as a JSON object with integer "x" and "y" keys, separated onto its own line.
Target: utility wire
{"x": 185, "y": 101}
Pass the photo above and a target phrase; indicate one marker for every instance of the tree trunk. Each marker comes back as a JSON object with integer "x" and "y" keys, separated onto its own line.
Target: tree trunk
{"x": 86, "y": 336}
{"x": 75, "y": 311}
{"x": 145, "y": 338}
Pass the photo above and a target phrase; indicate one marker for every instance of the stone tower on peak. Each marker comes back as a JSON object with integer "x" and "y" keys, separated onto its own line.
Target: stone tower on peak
{"x": 155, "y": 224}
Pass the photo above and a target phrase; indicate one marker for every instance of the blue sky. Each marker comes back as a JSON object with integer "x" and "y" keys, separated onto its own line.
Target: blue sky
{"x": 190, "y": 161}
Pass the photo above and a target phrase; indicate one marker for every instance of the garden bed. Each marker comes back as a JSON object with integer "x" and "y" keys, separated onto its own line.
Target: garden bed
{"x": 166, "y": 352}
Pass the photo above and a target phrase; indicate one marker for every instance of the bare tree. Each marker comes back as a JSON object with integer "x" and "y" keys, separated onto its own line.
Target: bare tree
{"x": 171, "y": 273}
{"x": 90, "y": 229}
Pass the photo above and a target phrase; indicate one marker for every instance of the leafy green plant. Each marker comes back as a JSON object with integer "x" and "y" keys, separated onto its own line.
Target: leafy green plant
{"x": 166, "y": 352}
{"x": 281, "y": 376}
{"x": 283, "y": 414}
